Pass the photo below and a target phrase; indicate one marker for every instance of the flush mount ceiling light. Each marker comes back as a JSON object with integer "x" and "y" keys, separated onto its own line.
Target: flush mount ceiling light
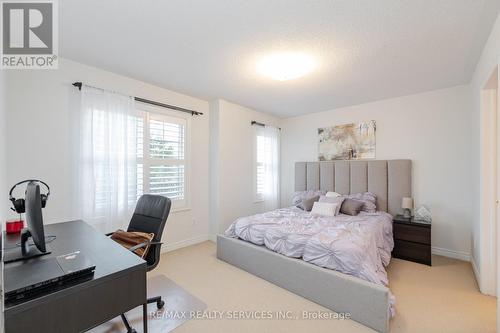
{"x": 286, "y": 66}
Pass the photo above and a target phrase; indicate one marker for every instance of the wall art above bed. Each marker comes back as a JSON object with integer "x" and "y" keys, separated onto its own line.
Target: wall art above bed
{"x": 354, "y": 141}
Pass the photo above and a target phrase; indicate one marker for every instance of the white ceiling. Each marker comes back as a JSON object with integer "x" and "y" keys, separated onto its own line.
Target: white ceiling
{"x": 368, "y": 49}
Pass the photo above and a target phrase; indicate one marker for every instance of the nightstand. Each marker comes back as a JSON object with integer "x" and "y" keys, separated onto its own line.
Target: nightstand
{"x": 412, "y": 240}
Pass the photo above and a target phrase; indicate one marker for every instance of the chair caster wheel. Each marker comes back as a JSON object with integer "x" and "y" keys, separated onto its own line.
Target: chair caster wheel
{"x": 160, "y": 304}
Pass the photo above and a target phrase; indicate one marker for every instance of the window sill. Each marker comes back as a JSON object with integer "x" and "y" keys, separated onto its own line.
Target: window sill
{"x": 179, "y": 210}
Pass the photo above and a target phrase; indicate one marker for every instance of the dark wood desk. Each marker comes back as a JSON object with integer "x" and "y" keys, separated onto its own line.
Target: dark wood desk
{"x": 118, "y": 285}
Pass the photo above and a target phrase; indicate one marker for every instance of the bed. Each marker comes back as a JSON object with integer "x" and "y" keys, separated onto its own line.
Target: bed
{"x": 344, "y": 255}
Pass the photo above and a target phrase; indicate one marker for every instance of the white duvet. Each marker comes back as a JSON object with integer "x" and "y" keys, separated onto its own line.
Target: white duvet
{"x": 357, "y": 245}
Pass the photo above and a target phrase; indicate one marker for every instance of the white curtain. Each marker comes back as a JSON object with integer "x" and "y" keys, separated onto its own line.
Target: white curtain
{"x": 271, "y": 157}
{"x": 107, "y": 158}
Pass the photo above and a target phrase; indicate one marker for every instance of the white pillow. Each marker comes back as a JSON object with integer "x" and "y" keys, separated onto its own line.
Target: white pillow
{"x": 332, "y": 194}
{"x": 324, "y": 208}
{"x": 337, "y": 200}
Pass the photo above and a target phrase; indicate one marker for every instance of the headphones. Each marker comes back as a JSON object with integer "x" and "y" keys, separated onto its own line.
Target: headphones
{"x": 19, "y": 203}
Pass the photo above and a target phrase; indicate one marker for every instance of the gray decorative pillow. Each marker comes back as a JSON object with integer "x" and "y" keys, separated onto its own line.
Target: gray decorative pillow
{"x": 368, "y": 199}
{"x": 298, "y": 196}
{"x": 307, "y": 204}
{"x": 351, "y": 207}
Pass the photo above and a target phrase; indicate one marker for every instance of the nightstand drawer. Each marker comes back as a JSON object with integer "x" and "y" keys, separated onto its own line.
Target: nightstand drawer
{"x": 412, "y": 233}
{"x": 416, "y": 252}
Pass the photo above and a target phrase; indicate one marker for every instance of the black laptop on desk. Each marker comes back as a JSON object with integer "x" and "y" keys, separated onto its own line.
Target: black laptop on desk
{"x": 36, "y": 277}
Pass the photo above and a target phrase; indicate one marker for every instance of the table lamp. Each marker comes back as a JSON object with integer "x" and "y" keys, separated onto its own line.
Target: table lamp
{"x": 407, "y": 206}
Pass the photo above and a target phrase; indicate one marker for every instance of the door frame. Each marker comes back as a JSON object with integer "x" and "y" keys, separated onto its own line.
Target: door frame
{"x": 489, "y": 233}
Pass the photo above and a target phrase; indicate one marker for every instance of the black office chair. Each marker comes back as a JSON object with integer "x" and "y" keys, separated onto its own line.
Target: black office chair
{"x": 150, "y": 216}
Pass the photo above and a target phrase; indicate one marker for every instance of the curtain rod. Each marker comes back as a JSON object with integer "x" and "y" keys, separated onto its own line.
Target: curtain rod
{"x": 147, "y": 101}
{"x": 253, "y": 122}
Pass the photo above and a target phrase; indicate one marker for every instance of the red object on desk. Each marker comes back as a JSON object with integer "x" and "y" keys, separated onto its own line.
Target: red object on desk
{"x": 14, "y": 226}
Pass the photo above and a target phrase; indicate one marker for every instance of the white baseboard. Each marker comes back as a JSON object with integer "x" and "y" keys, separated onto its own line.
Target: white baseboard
{"x": 183, "y": 243}
{"x": 465, "y": 256}
{"x": 202, "y": 238}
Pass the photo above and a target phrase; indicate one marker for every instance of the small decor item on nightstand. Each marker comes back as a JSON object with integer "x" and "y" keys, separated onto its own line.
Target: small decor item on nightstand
{"x": 423, "y": 214}
{"x": 407, "y": 206}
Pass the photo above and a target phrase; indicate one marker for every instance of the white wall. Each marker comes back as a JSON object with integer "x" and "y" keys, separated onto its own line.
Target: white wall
{"x": 232, "y": 162}
{"x": 41, "y": 105}
{"x": 433, "y": 130}
{"x": 490, "y": 59}
{"x": 4, "y": 204}
{"x": 214, "y": 169}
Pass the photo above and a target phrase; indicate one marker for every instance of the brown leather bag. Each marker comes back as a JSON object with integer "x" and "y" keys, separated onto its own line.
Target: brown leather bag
{"x": 131, "y": 239}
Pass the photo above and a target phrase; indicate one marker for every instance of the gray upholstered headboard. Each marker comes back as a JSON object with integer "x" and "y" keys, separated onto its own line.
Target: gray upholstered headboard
{"x": 390, "y": 180}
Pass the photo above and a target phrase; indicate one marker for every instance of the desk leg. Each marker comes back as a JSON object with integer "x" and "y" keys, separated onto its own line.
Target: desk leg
{"x": 145, "y": 317}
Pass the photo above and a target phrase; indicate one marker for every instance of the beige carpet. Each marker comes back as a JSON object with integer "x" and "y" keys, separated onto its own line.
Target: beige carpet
{"x": 442, "y": 298}
{"x": 178, "y": 304}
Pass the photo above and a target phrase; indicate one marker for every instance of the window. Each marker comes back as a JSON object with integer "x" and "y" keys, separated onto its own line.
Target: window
{"x": 127, "y": 149}
{"x": 266, "y": 165}
{"x": 260, "y": 148}
{"x": 158, "y": 150}
{"x": 161, "y": 160}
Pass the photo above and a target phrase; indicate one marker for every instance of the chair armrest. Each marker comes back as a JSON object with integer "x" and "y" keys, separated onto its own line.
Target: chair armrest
{"x": 138, "y": 246}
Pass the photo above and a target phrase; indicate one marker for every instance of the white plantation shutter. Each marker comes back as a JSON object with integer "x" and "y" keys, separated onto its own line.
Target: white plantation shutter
{"x": 260, "y": 167}
{"x": 166, "y": 139}
{"x": 167, "y": 180}
{"x": 163, "y": 163}
{"x": 266, "y": 170}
